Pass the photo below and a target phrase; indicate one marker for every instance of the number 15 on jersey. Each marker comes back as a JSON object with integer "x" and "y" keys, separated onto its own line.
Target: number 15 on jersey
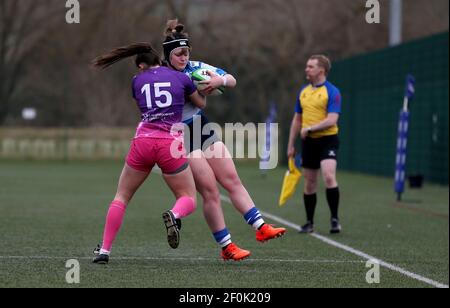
{"x": 159, "y": 94}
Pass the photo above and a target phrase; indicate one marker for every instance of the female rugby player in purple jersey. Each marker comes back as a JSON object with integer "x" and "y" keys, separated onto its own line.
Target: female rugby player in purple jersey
{"x": 209, "y": 169}
{"x": 160, "y": 95}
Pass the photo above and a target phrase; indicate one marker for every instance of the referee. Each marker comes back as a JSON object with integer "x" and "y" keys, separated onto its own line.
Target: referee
{"x": 316, "y": 115}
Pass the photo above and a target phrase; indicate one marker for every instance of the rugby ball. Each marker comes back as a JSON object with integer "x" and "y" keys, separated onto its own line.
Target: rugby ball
{"x": 202, "y": 75}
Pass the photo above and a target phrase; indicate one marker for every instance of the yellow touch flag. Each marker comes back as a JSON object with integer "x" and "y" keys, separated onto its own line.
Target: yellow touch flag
{"x": 290, "y": 182}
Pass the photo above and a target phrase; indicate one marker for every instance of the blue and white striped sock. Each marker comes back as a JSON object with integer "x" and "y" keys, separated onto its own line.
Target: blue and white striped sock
{"x": 223, "y": 237}
{"x": 254, "y": 218}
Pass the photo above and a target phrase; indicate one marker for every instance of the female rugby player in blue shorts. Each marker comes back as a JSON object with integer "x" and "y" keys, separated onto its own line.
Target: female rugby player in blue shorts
{"x": 207, "y": 167}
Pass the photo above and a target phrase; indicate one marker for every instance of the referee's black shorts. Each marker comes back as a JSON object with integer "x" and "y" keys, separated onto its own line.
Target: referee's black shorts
{"x": 195, "y": 139}
{"x": 315, "y": 150}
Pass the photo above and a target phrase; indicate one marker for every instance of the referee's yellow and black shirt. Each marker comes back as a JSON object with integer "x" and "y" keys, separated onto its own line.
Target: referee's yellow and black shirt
{"x": 314, "y": 103}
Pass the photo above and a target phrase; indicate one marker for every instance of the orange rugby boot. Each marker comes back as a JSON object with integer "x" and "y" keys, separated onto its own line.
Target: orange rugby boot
{"x": 233, "y": 252}
{"x": 268, "y": 232}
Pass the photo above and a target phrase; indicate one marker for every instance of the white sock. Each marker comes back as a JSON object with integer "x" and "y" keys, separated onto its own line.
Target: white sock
{"x": 257, "y": 224}
{"x": 225, "y": 241}
{"x": 104, "y": 252}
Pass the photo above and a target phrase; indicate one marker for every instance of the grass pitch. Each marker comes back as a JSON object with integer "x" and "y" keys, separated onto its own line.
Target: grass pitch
{"x": 52, "y": 212}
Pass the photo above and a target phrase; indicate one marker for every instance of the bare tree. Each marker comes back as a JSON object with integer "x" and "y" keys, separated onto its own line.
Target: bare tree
{"x": 265, "y": 44}
{"x": 22, "y": 25}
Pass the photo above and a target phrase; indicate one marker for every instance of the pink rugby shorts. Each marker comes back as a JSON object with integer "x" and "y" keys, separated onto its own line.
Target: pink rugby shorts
{"x": 146, "y": 152}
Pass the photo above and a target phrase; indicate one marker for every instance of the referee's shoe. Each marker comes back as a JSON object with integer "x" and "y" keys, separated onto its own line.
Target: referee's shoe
{"x": 307, "y": 228}
{"x": 335, "y": 226}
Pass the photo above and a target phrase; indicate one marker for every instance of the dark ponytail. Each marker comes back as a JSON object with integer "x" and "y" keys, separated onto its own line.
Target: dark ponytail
{"x": 144, "y": 51}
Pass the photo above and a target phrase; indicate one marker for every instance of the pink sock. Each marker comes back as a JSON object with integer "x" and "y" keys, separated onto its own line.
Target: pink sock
{"x": 184, "y": 207}
{"x": 114, "y": 220}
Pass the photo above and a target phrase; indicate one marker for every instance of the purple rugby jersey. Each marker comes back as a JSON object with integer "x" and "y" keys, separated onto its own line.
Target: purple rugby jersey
{"x": 160, "y": 94}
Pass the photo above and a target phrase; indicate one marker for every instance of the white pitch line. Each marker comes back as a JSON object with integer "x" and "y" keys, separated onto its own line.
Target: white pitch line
{"x": 351, "y": 250}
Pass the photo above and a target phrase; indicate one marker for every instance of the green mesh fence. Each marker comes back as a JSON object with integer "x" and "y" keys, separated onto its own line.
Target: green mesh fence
{"x": 372, "y": 88}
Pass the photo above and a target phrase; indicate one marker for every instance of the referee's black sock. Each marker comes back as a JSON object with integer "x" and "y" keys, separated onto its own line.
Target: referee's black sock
{"x": 333, "y": 201}
{"x": 310, "y": 206}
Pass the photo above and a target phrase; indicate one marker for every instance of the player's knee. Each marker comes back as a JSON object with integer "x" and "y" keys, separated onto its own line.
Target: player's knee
{"x": 231, "y": 182}
{"x": 310, "y": 181}
{"x": 192, "y": 193}
{"x": 209, "y": 192}
{"x": 330, "y": 179}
